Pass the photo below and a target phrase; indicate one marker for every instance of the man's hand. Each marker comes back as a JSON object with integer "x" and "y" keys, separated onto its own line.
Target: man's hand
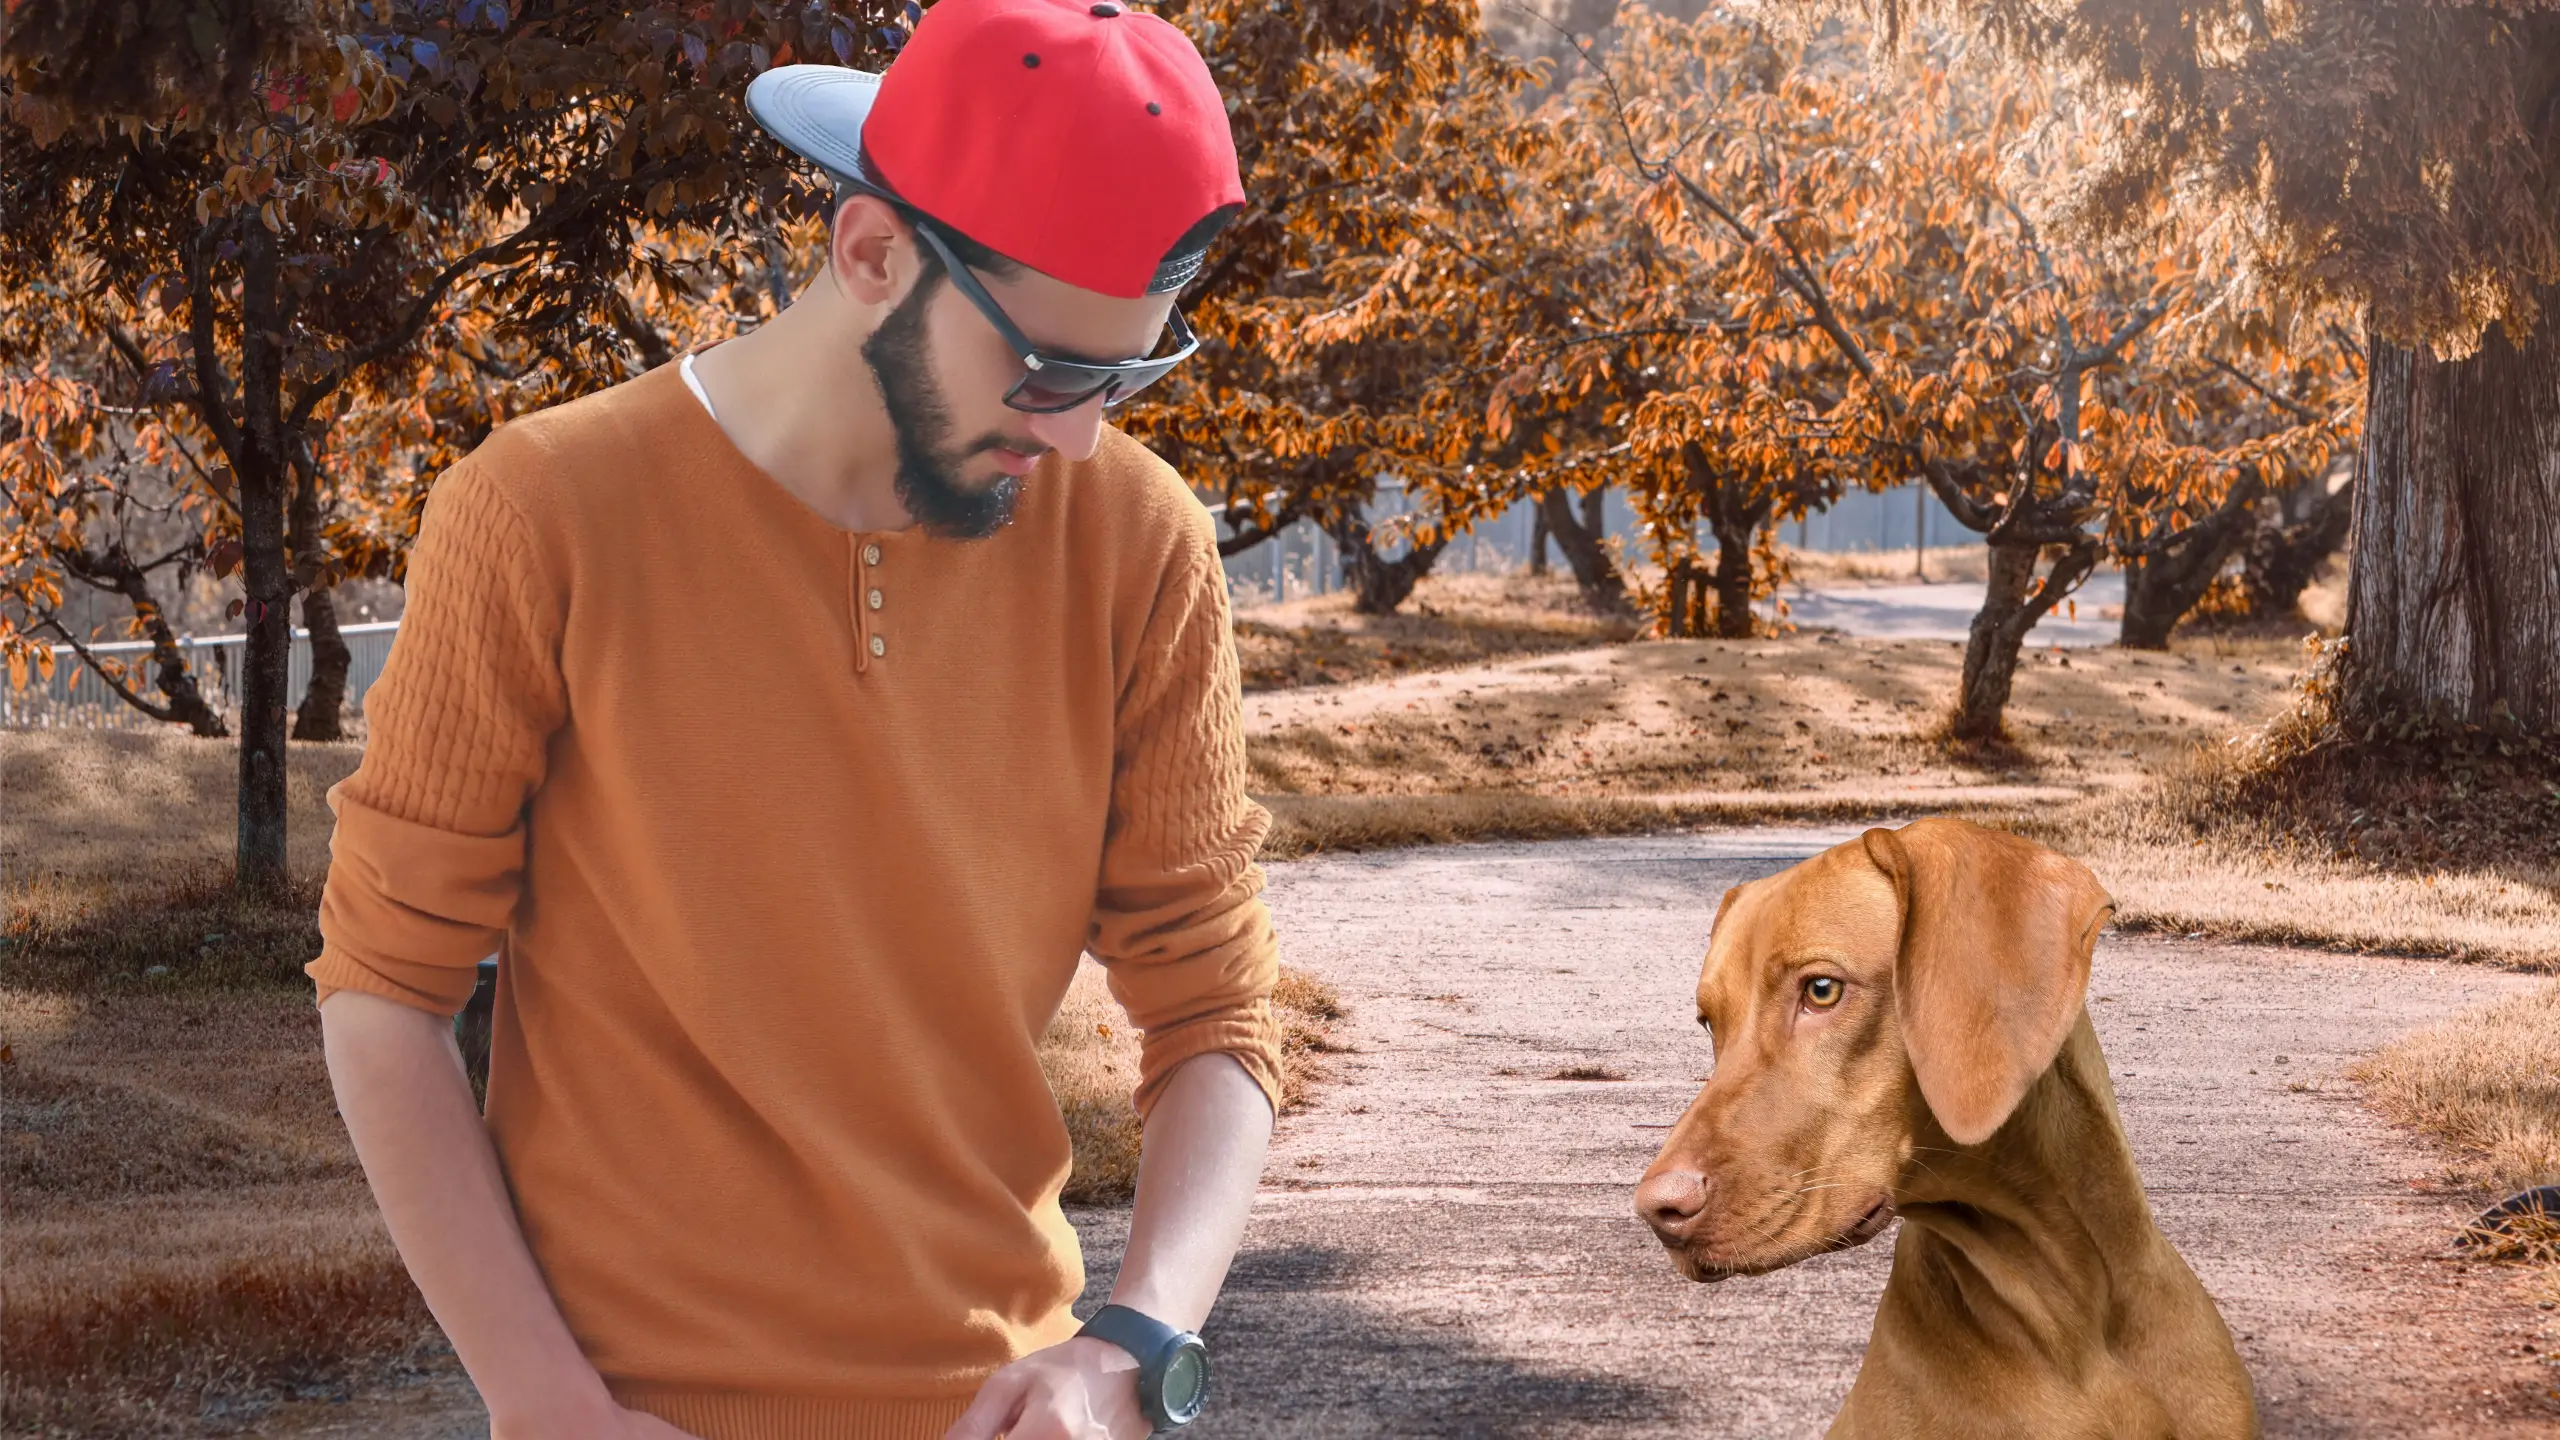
{"x": 1083, "y": 1389}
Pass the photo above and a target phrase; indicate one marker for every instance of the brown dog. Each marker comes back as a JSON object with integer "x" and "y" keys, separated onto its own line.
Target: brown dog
{"x": 1899, "y": 1029}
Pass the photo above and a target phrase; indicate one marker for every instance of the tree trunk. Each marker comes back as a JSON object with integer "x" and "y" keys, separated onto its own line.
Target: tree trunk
{"x": 2012, "y": 603}
{"x": 259, "y": 862}
{"x": 2160, "y": 587}
{"x": 264, "y": 476}
{"x": 2453, "y": 590}
{"x": 1537, "y": 540}
{"x": 1378, "y": 585}
{"x": 325, "y": 696}
{"x": 1685, "y": 601}
{"x": 324, "y": 699}
{"x": 1733, "y": 583}
{"x": 2283, "y": 554}
{"x": 1603, "y": 589}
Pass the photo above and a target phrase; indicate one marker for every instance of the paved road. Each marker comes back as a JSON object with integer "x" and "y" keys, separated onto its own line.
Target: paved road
{"x": 1942, "y": 610}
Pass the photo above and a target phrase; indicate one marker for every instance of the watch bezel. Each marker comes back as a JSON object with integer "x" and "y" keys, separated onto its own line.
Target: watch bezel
{"x": 1152, "y": 1384}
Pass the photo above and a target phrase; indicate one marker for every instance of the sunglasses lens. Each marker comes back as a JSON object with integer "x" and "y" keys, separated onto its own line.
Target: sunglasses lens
{"x": 1045, "y": 390}
{"x": 1061, "y": 387}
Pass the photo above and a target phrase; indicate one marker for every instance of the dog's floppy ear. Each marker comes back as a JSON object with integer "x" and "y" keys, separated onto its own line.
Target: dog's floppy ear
{"x": 1996, "y": 938}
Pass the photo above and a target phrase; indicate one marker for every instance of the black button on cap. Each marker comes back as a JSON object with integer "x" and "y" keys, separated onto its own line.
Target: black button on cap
{"x": 1106, "y": 10}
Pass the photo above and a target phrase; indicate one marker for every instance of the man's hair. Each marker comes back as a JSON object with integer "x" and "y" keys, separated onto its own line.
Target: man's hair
{"x": 972, "y": 254}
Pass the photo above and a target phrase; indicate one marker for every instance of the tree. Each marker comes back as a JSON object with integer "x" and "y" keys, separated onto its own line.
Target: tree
{"x": 91, "y": 501}
{"x": 2398, "y": 157}
{"x": 1298, "y": 401}
{"x": 2267, "y": 419}
{"x": 290, "y": 208}
{"x": 1904, "y": 311}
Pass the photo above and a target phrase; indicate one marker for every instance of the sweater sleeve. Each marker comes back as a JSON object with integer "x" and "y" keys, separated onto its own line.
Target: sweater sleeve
{"x": 1179, "y": 924}
{"x": 427, "y": 856}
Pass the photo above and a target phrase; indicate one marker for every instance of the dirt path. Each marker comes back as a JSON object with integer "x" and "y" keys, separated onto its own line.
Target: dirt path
{"x": 1445, "y": 1244}
{"x": 1443, "y": 1248}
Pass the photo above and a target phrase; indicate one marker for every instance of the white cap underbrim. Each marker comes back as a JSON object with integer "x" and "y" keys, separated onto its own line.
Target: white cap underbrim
{"x": 817, "y": 111}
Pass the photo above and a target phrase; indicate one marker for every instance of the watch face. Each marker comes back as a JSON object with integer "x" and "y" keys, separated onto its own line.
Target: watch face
{"x": 1186, "y": 1383}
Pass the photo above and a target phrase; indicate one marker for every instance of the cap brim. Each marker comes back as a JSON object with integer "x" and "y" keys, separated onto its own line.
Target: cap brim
{"x": 817, "y": 111}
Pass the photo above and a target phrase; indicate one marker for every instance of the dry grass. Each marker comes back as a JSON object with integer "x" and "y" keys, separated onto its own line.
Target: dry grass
{"x": 1799, "y": 714}
{"x": 2486, "y": 1085}
{"x": 1944, "y": 562}
{"x": 1312, "y": 824}
{"x": 185, "y": 1216}
{"x": 115, "y": 872}
{"x": 1091, "y": 1057}
{"x": 1450, "y": 621}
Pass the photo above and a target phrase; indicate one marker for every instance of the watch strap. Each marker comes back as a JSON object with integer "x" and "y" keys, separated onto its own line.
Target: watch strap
{"x": 1144, "y": 1336}
{"x": 1150, "y": 1342}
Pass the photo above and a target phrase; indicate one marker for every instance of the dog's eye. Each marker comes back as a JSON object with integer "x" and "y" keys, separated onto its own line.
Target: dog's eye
{"x": 1822, "y": 992}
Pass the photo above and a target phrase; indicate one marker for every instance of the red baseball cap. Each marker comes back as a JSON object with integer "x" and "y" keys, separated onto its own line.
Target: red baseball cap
{"x": 1077, "y": 137}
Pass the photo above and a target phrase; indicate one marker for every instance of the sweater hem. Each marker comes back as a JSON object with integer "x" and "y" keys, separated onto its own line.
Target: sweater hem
{"x": 741, "y": 1415}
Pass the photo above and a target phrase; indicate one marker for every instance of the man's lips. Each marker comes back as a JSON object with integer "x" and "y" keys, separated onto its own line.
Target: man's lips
{"x": 1015, "y": 462}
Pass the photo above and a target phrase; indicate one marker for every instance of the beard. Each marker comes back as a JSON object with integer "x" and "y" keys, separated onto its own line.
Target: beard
{"x": 928, "y": 479}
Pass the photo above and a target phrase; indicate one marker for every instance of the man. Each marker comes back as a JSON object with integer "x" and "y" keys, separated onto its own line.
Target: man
{"x": 791, "y": 721}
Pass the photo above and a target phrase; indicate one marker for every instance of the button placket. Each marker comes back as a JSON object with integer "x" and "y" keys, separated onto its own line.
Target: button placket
{"x": 862, "y": 599}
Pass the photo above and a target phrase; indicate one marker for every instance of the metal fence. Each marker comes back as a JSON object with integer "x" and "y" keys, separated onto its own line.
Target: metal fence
{"x": 78, "y": 697}
{"x": 1303, "y": 560}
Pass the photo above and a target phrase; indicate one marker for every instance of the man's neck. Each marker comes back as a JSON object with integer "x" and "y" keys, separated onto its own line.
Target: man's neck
{"x": 805, "y": 412}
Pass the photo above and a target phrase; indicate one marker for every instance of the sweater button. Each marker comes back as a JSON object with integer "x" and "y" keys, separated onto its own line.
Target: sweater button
{"x": 870, "y": 554}
{"x": 879, "y": 647}
{"x": 873, "y": 599}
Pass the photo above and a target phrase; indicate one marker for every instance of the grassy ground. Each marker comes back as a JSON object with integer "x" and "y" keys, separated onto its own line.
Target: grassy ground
{"x": 2487, "y": 1085}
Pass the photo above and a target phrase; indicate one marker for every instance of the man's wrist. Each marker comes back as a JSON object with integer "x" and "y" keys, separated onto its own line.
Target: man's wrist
{"x": 569, "y": 1404}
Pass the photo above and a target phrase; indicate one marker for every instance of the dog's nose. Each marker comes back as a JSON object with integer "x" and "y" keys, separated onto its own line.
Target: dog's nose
{"x": 1671, "y": 1202}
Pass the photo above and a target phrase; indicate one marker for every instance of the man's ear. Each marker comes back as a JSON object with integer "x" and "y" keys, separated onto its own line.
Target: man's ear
{"x": 863, "y": 250}
{"x": 1994, "y": 964}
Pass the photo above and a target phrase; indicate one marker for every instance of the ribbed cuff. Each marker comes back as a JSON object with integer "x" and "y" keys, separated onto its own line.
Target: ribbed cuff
{"x": 733, "y": 1415}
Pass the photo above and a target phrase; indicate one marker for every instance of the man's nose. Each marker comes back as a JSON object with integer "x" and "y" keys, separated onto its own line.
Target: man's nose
{"x": 1072, "y": 433}
{"x": 1671, "y": 1201}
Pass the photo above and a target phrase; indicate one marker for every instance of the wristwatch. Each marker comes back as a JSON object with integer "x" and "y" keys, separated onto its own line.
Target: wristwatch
{"x": 1173, "y": 1366}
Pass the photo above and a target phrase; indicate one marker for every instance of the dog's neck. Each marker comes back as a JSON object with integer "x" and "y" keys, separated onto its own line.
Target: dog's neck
{"x": 2057, "y": 1176}
{"x": 2029, "y": 1277}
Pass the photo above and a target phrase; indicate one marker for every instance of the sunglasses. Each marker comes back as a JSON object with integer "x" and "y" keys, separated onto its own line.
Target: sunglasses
{"x": 1052, "y": 383}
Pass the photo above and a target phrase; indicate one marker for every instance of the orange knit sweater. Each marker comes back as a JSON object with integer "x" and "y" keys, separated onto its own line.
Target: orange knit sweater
{"x": 791, "y": 838}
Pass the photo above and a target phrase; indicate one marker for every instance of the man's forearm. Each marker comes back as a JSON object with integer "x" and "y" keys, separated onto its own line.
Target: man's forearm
{"x": 1197, "y": 1171}
{"x": 407, "y": 1104}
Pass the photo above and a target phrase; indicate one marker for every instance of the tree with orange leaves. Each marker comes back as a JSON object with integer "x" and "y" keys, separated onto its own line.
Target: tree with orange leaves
{"x": 286, "y": 212}
{"x": 1888, "y": 220}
